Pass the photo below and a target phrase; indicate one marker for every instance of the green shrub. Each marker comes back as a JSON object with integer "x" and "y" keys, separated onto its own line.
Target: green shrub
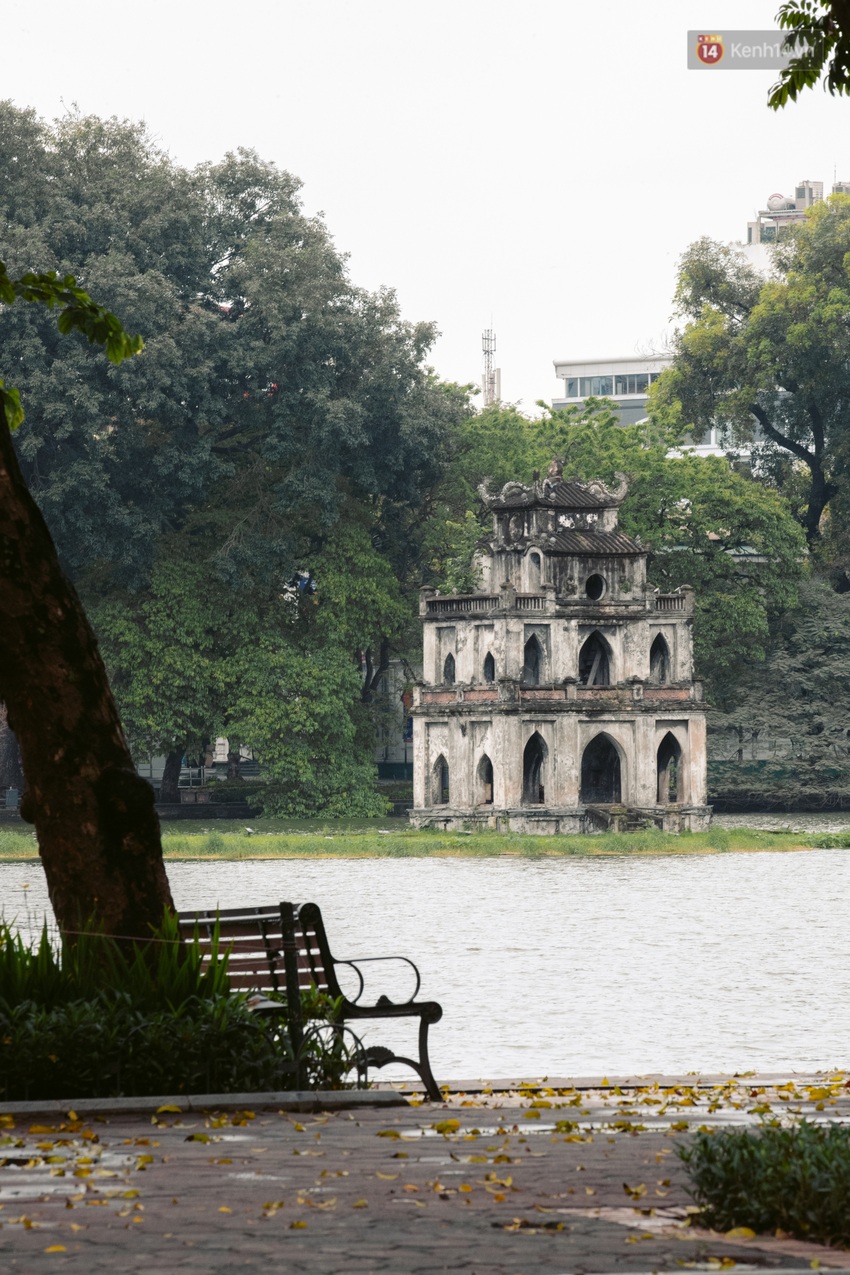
{"x": 792, "y": 1179}
{"x": 91, "y": 1019}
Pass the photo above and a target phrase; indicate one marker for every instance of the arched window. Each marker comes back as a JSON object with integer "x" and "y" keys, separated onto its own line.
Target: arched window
{"x": 600, "y": 773}
{"x": 659, "y": 661}
{"x": 449, "y": 670}
{"x": 489, "y": 667}
{"x": 594, "y": 666}
{"x": 534, "y": 571}
{"x": 485, "y": 781}
{"x": 441, "y": 782}
{"x": 532, "y": 661}
{"x": 533, "y": 757}
{"x": 670, "y": 771}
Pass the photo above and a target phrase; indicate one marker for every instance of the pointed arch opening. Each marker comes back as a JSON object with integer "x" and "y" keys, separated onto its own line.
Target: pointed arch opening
{"x": 449, "y": 670}
{"x": 594, "y": 662}
{"x": 600, "y": 773}
{"x": 535, "y": 571}
{"x": 440, "y": 785}
{"x": 533, "y": 760}
{"x": 489, "y": 667}
{"x": 670, "y": 771}
{"x": 532, "y": 661}
{"x": 485, "y": 781}
{"x": 659, "y": 661}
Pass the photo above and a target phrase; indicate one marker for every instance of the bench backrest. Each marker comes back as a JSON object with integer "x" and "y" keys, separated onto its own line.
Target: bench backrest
{"x": 252, "y": 936}
{"x": 257, "y": 939}
{"x": 314, "y": 963}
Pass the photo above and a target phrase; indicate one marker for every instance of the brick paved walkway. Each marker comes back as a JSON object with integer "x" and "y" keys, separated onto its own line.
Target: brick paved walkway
{"x": 487, "y": 1183}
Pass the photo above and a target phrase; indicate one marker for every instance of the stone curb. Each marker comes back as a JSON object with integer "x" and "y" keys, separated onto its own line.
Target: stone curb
{"x": 284, "y": 1100}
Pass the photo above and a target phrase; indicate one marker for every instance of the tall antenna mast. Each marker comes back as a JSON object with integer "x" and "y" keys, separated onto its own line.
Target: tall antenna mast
{"x": 491, "y": 381}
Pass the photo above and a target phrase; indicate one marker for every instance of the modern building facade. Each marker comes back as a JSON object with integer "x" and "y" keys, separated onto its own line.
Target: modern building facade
{"x": 625, "y": 381}
{"x": 559, "y": 698}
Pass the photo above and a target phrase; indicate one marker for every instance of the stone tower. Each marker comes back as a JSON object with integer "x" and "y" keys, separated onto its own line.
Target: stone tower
{"x": 559, "y": 698}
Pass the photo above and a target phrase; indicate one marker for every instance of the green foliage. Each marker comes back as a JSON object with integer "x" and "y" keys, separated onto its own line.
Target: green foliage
{"x": 92, "y": 1020}
{"x": 773, "y": 353}
{"x": 106, "y": 1047}
{"x": 78, "y": 313}
{"x": 795, "y": 1180}
{"x": 166, "y": 650}
{"x": 800, "y": 692}
{"x": 820, "y": 35}
{"x": 278, "y": 417}
{"x": 161, "y": 974}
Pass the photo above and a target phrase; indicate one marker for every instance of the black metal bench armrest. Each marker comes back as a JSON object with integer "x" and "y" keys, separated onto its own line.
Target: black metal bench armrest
{"x": 362, "y": 960}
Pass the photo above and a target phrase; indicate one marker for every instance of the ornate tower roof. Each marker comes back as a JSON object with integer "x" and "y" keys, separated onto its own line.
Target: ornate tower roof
{"x": 556, "y": 492}
{"x": 561, "y": 516}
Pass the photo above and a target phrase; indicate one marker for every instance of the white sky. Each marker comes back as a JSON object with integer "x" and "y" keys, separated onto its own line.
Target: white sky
{"x": 541, "y": 165}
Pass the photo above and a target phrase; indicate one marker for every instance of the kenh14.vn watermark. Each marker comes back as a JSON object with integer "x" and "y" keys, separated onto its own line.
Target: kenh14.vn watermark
{"x": 742, "y": 50}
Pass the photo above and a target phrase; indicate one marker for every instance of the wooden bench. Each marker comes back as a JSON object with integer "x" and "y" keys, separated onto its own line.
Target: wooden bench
{"x": 284, "y": 949}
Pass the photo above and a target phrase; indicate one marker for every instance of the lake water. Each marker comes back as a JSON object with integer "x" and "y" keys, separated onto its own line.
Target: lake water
{"x": 578, "y": 966}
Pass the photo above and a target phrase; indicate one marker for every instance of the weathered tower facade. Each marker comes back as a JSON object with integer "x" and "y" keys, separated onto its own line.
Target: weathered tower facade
{"x": 559, "y": 698}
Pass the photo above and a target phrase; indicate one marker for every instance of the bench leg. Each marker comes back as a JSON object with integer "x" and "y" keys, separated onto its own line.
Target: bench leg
{"x": 425, "y": 1065}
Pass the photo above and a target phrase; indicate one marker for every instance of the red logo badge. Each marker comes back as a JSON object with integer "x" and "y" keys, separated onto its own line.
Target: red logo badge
{"x": 710, "y": 49}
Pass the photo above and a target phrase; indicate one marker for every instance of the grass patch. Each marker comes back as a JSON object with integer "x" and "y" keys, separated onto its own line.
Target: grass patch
{"x": 795, "y": 1180}
{"x": 395, "y": 839}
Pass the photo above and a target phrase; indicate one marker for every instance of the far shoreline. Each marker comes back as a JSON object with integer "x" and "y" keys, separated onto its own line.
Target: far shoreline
{"x": 304, "y": 840}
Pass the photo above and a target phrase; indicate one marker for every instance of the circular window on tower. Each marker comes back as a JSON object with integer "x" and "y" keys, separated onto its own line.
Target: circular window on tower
{"x": 595, "y": 587}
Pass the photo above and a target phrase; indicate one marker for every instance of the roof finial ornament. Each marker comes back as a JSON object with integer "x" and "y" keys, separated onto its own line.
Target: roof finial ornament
{"x": 556, "y": 468}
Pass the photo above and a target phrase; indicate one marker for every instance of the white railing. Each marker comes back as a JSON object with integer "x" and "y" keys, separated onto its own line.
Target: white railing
{"x": 669, "y": 601}
{"x": 479, "y": 602}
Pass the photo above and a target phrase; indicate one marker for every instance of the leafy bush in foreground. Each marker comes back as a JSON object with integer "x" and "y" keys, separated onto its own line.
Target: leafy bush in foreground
{"x": 795, "y": 1180}
{"x": 91, "y": 1020}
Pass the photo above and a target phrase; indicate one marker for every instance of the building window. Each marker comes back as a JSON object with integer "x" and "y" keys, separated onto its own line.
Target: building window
{"x": 534, "y": 571}
{"x": 659, "y": 661}
{"x": 670, "y": 771}
{"x": 441, "y": 782}
{"x": 600, "y": 386}
{"x": 571, "y": 387}
{"x": 634, "y": 383}
{"x": 485, "y": 781}
{"x": 449, "y": 670}
{"x": 533, "y": 757}
{"x": 489, "y": 667}
{"x": 600, "y": 773}
{"x": 532, "y": 662}
{"x": 594, "y": 587}
{"x": 594, "y": 666}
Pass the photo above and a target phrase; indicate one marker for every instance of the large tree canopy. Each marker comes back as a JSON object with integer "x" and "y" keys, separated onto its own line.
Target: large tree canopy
{"x": 772, "y": 354}
{"x": 275, "y": 406}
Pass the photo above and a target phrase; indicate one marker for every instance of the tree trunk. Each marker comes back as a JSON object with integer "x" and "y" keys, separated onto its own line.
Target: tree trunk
{"x": 97, "y": 829}
{"x": 169, "y": 786}
{"x": 234, "y": 761}
{"x": 11, "y": 774}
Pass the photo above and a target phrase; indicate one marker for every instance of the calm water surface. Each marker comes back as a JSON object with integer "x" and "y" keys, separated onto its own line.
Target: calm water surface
{"x": 578, "y": 966}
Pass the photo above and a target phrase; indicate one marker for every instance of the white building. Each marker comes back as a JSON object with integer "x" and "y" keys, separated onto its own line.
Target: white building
{"x": 626, "y": 382}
